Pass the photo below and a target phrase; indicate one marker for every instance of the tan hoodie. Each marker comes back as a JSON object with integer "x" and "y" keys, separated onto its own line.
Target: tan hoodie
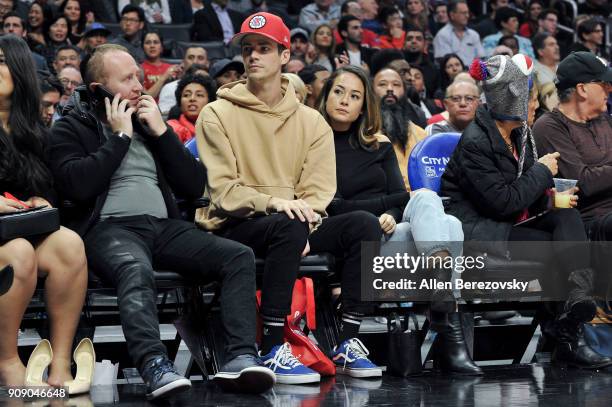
{"x": 254, "y": 152}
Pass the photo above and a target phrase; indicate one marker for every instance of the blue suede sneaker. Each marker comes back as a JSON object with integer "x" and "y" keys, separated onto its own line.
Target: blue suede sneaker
{"x": 162, "y": 379}
{"x": 351, "y": 358}
{"x": 287, "y": 368}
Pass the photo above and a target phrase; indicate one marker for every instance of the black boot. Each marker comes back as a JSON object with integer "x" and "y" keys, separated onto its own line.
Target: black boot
{"x": 452, "y": 354}
{"x": 572, "y": 349}
{"x": 442, "y": 301}
{"x": 580, "y": 304}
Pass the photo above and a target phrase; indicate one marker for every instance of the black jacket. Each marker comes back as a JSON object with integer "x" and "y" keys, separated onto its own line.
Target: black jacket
{"x": 480, "y": 179}
{"x": 83, "y": 161}
{"x": 206, "y": 25}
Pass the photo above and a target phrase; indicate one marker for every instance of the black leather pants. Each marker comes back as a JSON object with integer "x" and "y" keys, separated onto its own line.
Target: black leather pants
{"x": 124, "y": 252}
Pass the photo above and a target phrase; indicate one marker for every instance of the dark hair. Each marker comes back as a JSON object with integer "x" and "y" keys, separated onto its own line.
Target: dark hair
{"x": 47, "y": 13}
{"x": 161, "y": 40}
{"x": 546, "y": 12}
{"x": 22, "y": 152}
{"x": 206, "y": 81}
{"x": 344, "y": 22}
{"x": 49, "y": 23}
{"x": 308, "y": 74}
{"x": 585, "y": 27}
{"x": 507, "y": 37}
{"x": 411, "y": 27}
{"x": 444, "y": 78}
{"x": 51, "y": 84}
{"x": 65, "y": 47}
{"x": 503, "y": 14}
{"x": 538, "y": 41}
{"x": 345, "y": 4}
{"x": 565, "y": 95}
{"x": 385, "y": 13}
{"x": 82, "y": 18}
{"x": 13, "y": 14}
{"x": 134, "y": 9}
{"x": 452, "y": 5}
{"x": 369, "y": 123}
{"x": 383, "y": 58}
{"x": 194, "y": 68}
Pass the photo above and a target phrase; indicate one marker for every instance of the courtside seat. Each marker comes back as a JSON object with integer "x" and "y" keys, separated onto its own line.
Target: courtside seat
{"x": 214, "y": 49}
{"x": 177, "y": 32}
{"x": 163, "y": 280}
{"x": 428, "y": 160}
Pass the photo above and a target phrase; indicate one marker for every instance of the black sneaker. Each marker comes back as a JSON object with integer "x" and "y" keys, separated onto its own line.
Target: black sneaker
{"x": 245, "y": 374}
{"x": 162, "y": 379}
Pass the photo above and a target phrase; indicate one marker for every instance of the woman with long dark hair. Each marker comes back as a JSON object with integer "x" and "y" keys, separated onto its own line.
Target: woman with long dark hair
{"x": 38, "y": 14}
{"x": 59, "y": 258}
{"x": 369, "y": 179}
{"x": 450, "y": 67}
{"x": 71, "y": 9}
{"x": 56, "y": 31}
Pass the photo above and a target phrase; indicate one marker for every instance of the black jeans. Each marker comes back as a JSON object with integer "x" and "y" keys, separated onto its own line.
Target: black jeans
{"x": 124, "y": 251}
{"x": 599, "y": 230}
{"x": 560, "y": 225}
{"x": 281, "y": 241}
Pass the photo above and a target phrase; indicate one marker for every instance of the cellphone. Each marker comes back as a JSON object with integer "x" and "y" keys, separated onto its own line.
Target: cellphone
{"x": 100, "y": 93}
{"x": 25, "y": 210}
{"x": 532, "y": 218}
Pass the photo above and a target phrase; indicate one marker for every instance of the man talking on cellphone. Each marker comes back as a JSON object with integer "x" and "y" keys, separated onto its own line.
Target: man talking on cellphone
{"x": 122, "y": 166}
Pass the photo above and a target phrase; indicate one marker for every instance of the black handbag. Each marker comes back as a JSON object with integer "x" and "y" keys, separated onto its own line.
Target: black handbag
{"x": 28, "y": 223}
{"x": 404, "y": 346}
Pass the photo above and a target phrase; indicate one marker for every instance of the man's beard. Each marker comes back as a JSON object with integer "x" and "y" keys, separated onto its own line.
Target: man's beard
{"x": 395, "y": 120}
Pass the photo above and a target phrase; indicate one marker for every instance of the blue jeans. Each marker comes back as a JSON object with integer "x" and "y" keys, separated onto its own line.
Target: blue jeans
{"x": 425, "y": 228}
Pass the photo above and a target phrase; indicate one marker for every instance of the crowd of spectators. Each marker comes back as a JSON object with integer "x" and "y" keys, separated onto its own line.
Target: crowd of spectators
{"x": 437, "y": 39}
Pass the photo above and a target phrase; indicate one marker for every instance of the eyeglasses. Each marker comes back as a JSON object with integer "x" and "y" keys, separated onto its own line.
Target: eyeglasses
{"x": 66, "y": 82}
{"x": 129, "y": 20}
{"x": 459, "y": 98}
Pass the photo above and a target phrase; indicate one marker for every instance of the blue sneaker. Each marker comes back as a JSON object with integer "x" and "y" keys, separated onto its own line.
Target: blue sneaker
{"x": 351, "y": 358}
{"x": 287, "y": 368}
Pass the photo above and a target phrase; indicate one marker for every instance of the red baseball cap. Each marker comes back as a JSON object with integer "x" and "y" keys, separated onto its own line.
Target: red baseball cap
{"x": 266, "y": 24}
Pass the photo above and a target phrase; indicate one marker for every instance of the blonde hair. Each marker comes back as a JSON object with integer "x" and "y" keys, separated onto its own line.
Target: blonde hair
{"x": 94, "y": 71}
{"x": 298, "y": 85}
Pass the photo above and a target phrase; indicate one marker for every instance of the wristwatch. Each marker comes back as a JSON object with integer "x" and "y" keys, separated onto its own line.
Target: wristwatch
{"x": 123, "y": 136}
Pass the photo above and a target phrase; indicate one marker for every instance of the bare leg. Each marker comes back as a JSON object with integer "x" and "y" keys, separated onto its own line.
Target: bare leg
{"x": 19, "y": 253}
{"x": 61, "y": 257}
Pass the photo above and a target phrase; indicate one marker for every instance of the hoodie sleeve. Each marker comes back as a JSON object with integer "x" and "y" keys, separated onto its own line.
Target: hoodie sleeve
{"x": 225, "y": 187}
{"x": 317, "y": 183}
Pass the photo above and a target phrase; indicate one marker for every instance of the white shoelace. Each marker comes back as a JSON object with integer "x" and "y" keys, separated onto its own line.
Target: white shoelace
{"x": 284, "y": 357}
{"x": 357, "y": 348}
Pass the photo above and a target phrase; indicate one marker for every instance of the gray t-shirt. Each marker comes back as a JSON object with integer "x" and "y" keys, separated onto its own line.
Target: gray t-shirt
{"x": 134, "y": 188}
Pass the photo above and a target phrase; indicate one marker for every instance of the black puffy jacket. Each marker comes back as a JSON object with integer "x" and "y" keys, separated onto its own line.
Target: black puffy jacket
{"x": 480, "y": 179}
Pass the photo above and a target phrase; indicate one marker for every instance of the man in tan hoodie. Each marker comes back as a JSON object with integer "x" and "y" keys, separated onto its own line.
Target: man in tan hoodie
{"x": 271, "y": 175}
